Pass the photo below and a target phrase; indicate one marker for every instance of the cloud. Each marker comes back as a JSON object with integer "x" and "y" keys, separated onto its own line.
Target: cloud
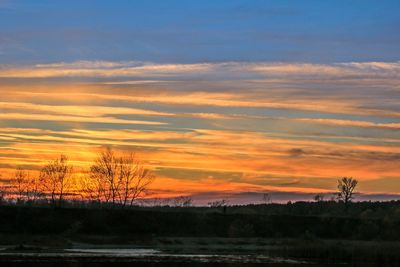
{"x": 296, "y": 152}
{"x": 352, "y": 123}
{"x": 103, "y": 69}
{"x": 216, "y": 99}
{"x": 229, "y": 69}
{"x": 66, "y": 118}
{"x": 223, "y": 151}
{"x": 337, "y": 70}
{"x": 235, "y": 126}
{"x": 86, "y": 110}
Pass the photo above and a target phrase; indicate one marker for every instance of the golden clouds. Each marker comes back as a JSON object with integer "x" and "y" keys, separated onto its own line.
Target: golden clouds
{"x": 225, "y": 151}
{"x": 75, "y": 110}
{"x": 261, "y": 126}
{"x": 353, "y": 123}
{"x": 66, "y": 118}
{"x": 280, "y": 99}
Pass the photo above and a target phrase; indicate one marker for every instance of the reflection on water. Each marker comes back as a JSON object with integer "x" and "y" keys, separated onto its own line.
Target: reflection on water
{"x": 115, "y": 252}
{"x": 135, "y": 257}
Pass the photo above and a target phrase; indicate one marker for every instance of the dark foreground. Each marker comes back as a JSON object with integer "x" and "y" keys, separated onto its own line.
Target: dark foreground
{"x": 135, "y": 258}
{"x": 207, "y": 252}
{"x": 300, "y": 234}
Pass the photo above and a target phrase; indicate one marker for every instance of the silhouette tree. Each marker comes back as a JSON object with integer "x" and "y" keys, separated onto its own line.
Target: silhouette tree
{"x": 104, "y": 176}
{"x": 20, "y": 184}
{"x": 218, "y": 203}
{"x": 93, "y": 188}
{"x": 134, "y": 179}
{"x": 182, "y": 201}
{"x": 318, "y": 198}
{"x": 3, "y": 191}
{"x": 33, "y": 189}
{"x": 266, "y": 198}
{"x": 346, "y": 187}
{"x": 119, "y": 179}
{"x": 25, "y": 188}
{"x": 55, "y": 179}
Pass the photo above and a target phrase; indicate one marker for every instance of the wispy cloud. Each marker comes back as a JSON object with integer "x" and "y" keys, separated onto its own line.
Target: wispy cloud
{"x": 66, "y": 118}
{"x": 86, "y": 110}
{"x": 144, "y": 69}
{"x": 227, "y": 99}
{"x": 103, "y": 69}
{"x": 353, "y": 123}
{"x": 287, "y": 127}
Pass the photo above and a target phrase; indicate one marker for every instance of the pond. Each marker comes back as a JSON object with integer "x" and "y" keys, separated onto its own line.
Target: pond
{"x": 99, "y": 257}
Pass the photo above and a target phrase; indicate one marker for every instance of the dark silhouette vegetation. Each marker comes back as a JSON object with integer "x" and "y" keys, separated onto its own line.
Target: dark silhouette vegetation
{"x": 361, "y": 221}
{"x": 364, "y": 234}
{"x": 48, "y": 210}
{"x": 346, "y": 187}
{"x": 113, "y": 179}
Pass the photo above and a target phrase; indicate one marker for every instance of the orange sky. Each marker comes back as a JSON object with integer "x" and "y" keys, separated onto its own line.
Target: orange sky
{"x": 227, "y": 128}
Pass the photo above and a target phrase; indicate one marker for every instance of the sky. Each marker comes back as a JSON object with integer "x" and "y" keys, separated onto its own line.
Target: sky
{"x": 220, "y": 99}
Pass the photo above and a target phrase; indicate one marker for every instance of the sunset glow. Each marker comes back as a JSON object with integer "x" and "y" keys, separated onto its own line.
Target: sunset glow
{"x": 218, "y": 126}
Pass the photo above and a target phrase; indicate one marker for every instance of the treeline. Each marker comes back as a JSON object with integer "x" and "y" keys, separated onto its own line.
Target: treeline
{"x": 366, "y": 221}
{"x": 113, "y": 179}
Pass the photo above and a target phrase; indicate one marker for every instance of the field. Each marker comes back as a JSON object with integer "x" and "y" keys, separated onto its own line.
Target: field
{"x": 363, "y": 234}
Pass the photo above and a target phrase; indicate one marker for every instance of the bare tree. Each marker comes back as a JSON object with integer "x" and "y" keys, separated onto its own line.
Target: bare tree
{"x": 183, "y": 201}
{"x": 218, "y": 203}
{"x": 266, "y": 198}
{"x": 103, "y": 183}
{"x": 25, "y": 187}
{"x": 346, "y": 187}
{"x": 319, "y": 197}
{"x": 3, "y": 190}
{"x": 19, "y": 184}
{"x": 119, "y": 179}
{"x": 55, "y": 179}
{"x": 33, "y": 191}
{"x": 134, "y": 179}
{"x": 93, "y": 188}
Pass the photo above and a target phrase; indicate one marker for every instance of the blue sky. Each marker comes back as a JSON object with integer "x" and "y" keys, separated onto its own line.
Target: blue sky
{"x": 199, "y": 31}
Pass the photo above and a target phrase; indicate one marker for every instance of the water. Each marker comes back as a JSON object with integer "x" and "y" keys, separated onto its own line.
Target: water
{"x": 120, "y": 252}
{"x": 99, "y": 257}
